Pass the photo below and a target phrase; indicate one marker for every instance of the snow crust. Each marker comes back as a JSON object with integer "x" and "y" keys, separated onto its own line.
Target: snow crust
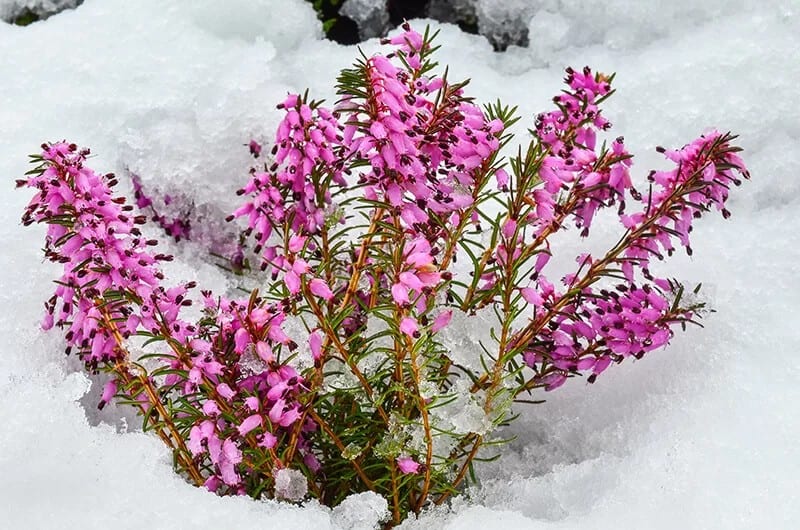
{"x": 702, "y": 435}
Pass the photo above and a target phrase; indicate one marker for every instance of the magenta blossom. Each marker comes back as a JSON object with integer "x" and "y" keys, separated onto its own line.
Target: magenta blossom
{"x": 408, "y": 465}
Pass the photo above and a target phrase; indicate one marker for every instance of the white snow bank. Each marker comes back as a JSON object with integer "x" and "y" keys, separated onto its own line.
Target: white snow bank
{"x": 702, "y": 435}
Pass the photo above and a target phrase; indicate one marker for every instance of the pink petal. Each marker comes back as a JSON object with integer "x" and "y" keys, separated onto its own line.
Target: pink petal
{"x": 410, "y": 280}
{"x": 441, "y": 321}
{"x": 407, "y": 465}
{"x": 320, "y": 288}
{"x": 315, "y": 343}
{"x": 409, "y": 326}
{"x": 292, "y": 281}
{"x": 509, "y": 227}
{"x": 400, "y": 294}
{"x": 240, "y": 340}
{"x": 264, "y": 352}
{"x": 268, "y": 440}
{"x": 531, "y": 296}
{"x": 296, "y": 243}
{"x": 250, "y": 423}
{"x": 109, "y": 391}
{"x": 225, "y": 391}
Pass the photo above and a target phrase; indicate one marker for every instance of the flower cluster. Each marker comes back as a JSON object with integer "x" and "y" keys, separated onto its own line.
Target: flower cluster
{"x": 705, "y": 170}
{"x": 598, "y": 327}
{"x": 222, "y": 368}
{"x": 295, "y": 191}
{"x": 246, "y": 400}
{"x": 426, "y": 145}
{"x": 307, "y": 145}
{"x": 607, "y": 326}
{"x": 572, "y": 162}
{"x": 97, "y": 240}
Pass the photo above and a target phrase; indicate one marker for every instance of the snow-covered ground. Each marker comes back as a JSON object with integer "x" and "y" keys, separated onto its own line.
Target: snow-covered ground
{"x": 701, "y": 435}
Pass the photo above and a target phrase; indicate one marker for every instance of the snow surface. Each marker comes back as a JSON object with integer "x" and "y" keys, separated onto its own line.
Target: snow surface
{"x": 702, "y": 435}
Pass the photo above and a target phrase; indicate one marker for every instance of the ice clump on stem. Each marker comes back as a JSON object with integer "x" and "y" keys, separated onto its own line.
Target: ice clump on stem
{"x": 290, "y": 484}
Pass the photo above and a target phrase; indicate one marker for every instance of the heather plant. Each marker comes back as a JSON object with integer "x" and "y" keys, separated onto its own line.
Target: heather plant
{"x": 374, "y": 225}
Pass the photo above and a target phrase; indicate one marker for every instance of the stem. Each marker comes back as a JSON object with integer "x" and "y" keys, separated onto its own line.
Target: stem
{"x": 361, "y": 259}
{"x": 462, "y": 473}
{"x": 395, "y": 494}
{"x": 171, "y": 437}
{"x": 423, "y": 410}
{"x": 330, "y": 333}
{"x": 336, "y": 440}
{"x": 452, "y": 244}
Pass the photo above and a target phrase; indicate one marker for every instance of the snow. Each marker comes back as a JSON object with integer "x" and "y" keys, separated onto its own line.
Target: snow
{"x": 702, "y": 435}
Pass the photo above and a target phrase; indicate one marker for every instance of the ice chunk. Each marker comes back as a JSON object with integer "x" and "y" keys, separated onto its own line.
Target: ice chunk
{"x": 370, "y": 15}
{"x": 290, "y": 484}
{"x": 548, "y": 32}
{"x": 362, "y": 511}
{"x": 453, "y": 11}
{"x": 505, "y": 23}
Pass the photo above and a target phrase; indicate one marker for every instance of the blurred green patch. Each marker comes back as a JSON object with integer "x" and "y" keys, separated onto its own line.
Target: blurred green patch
{"x": 25, "y": 18}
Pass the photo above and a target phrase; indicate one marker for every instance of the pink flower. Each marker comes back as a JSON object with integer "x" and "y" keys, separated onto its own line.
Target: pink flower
{"x": 252, "y": 403}
{"x": 441, "y": 321}
{"x": 241, "y": 339}
{"x": 400, "y": 294}
{"x": 225, "y": 391}
{"x": 212, "y": 483}
{"x": 409, "y": 326}
{"x": 319, "y": 288}
{"x": 509, "y": 227}
{"x": 109, "y": 391}
{"x": 296, "y": 243}
{"x": 249, "y": 423}
{"x": 502, "y": 178}
{"x": 315, "y": 344}
{"x": 531, "y": 296}
{"x": 210, "y": 408}
{"x": 407, "y": 465}
{"x": 230, "y": 456}
{"x": 292, "y": 281}
{"x": 553, "y": 381}
{"x": 277, "y": 411}
{"x": 264, "y": 352}
{"x": 268, "y": 440}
